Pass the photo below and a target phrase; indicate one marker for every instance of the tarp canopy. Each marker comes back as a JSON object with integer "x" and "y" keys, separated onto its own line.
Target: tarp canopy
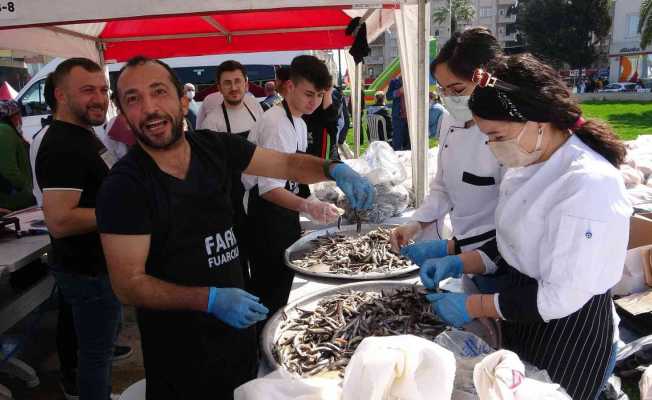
{"x": 164, "y": 28}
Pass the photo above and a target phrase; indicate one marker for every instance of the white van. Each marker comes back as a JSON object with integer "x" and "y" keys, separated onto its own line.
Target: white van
{"x": 197, "y": 70}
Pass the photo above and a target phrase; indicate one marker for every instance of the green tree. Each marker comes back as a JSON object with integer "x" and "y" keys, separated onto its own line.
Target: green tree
{"x": 463, "y": 11}
{"x": 564, "y": 31}
{"x": 645, "y": 23}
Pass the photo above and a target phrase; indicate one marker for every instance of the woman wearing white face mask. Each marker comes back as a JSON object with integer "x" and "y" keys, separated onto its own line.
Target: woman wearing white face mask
{"x": 468, "y": 175}
{"x": 562, "y": 225}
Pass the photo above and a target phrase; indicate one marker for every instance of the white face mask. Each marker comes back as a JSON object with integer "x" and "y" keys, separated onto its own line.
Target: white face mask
{"x": 190, "y": 94}
{"x": 458, "y": 107}
{"x": 512, "y": 155}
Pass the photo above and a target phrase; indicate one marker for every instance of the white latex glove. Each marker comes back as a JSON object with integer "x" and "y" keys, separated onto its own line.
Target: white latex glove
{"x": 401, "y": 235}
{"x": 320, "y": 211}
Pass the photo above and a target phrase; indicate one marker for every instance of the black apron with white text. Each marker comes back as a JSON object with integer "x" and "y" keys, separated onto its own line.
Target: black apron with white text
{"x": 273, "y": 229}
{"x": 189, "y": 354}
{"x": 237, "y": 194}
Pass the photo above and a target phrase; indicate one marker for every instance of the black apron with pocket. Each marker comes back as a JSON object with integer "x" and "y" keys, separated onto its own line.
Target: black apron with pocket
{"x": 273, "y": 229}
{"x": 237, "y": 194}
{"x": 575, "y": 350}
{"x": 190, "y": 354}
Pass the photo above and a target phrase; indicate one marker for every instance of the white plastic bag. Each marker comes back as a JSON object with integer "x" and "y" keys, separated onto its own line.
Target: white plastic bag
{"x": 384, "y": 164}
{"x": 501, "y": 376}
{"x": 645, "y": 384}
{"x": 633, "y": 278}
{"x": 281, "y": 385}
{"x": 399, "y": 367}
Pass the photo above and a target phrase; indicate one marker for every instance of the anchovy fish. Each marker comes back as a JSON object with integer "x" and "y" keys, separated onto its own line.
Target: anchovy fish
{"x": 323, "y": 340}
{"x": 350, "y": 255}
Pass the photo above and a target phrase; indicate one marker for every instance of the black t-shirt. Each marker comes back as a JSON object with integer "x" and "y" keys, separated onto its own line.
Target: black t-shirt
{"x": 71, "y": 157}
{"x": 132, "y": 200}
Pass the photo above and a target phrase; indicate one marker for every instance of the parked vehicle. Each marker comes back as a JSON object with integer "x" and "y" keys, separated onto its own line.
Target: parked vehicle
{"x": 620, "y": 87}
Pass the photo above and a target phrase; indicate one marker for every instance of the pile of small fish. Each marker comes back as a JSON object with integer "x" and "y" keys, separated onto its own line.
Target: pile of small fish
{"x": 323, "y": 340}
{"x": 350, "y": 255}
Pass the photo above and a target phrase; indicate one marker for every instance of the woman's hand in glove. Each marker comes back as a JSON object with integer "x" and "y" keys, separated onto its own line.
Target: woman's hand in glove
{"x": 450, "y": 307}
{"x": 401, "y": 235}
{"x": 436, "y": 270}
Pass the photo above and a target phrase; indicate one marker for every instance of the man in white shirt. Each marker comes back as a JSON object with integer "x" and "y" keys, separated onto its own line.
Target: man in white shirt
{"x": 230, "y": 109}
{"x": 274, "y": 204}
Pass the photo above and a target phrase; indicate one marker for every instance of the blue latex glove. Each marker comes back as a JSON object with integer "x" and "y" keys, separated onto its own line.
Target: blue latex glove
{"x": 450, "y": 307}
{"x": 421, "y": 251}
{"x": 235, "y": 307}
{"x": 356, "y": 188}
{"x": 436, "y": 270}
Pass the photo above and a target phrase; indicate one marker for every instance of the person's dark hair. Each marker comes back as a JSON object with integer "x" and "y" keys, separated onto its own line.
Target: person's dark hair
{"x": 465, "y": 51}
{"x": 380, "y": 98}
{"x": 542, "y": 96}
{"x": 55, "y": 78}
{"x": 230, "y": 65}
{"x": 48, "y": 93}
{"x": 313, "y": 70}
{"x": 283, "y": 73}
{"x": 141, "y": 60}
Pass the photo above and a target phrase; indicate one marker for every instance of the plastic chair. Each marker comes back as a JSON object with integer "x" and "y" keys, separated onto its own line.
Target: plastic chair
{"x": 135, "y": 391}
{"x": 373, "y": 123}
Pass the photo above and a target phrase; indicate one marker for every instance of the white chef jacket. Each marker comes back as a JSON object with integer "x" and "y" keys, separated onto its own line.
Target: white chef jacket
{"x": 466, "y": 183}
{"x": 565, "y": 223}
{"x": 211, "y": 116}
{"x": 275, "y": 131}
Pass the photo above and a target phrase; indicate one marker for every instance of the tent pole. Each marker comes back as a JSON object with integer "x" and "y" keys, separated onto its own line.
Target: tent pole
{"x": 339, "y": 68}
{"x": 357, "y": 109}
{"x": 422, "y": 100}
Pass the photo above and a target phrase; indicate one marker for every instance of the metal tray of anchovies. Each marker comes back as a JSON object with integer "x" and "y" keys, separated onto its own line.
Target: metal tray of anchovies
{"x": 304, "y": 244}
{"x": 272, "y": 329}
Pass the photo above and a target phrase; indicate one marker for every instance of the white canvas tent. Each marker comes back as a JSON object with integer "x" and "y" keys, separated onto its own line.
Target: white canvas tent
{"x": 118, "y": 29}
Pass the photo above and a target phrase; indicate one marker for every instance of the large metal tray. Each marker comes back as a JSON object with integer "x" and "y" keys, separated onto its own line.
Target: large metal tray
{"x": 272, "y": 328}
{"x": 301, "y": 246}
{"x": 487, "y": 329}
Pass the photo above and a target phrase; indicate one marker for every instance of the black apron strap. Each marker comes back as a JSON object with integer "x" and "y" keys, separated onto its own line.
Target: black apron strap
{"x": 250, "y": 113}
{"x": 288, "y": 113}
{"x": 459, "y": 243}
{"x": 226, "y": 118}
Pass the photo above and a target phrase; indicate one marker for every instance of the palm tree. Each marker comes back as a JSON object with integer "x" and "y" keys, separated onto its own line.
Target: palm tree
{"x": 645, "y": 23}
{"x": 463, "y": 11}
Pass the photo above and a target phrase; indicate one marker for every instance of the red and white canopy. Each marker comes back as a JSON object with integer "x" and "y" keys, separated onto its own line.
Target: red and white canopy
{"x": 165, "y": 28}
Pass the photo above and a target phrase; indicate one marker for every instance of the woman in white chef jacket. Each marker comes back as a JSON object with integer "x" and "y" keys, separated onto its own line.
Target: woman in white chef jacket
{"x": 562, "y": 225}
{"x": 468, "y": 175}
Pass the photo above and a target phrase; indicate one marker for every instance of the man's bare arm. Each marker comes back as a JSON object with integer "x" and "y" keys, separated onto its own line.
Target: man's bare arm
{"x": 284, "y": 198}
{"x": 126, "y": 256}
{"x": 64, "y": 217}
{"x": 291, "y": 166}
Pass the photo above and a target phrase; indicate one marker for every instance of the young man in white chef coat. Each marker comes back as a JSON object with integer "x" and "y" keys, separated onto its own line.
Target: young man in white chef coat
{"x": 274, "y": 204}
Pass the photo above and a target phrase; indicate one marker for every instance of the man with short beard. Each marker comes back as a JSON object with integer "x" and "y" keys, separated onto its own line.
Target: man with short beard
{"x": 233, "y": 111}
{"x": 166, "y": 223}
{"x": 71, "y": 164}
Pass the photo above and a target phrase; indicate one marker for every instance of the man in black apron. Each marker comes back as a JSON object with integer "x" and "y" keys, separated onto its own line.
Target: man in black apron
{"x": 274, "y": 205}
{"x": 166, "y": 221}
{"x": 236, "y": 114}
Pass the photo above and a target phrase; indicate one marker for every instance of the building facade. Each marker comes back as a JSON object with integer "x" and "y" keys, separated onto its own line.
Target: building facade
{"x": 627, "y": 61}
{"x": 497, "y": 15}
